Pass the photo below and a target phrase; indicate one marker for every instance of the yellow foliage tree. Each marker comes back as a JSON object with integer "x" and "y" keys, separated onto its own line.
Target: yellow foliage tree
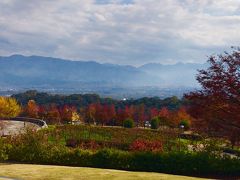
{"x": 9, "y": 107}
{"x": 76, "y": 118}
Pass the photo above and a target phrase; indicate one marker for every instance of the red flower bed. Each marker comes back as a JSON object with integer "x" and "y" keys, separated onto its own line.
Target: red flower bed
{"x": 143, "y": 145}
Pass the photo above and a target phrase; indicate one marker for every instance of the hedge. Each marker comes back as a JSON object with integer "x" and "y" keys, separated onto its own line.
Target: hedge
{"x": 197, "y": 164}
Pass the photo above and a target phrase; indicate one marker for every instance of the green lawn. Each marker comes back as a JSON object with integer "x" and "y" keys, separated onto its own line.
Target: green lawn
{"x": 33, "y": 172}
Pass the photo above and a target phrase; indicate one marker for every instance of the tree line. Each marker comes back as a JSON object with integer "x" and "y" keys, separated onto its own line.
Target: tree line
{"x": 83, "y": 100}
{"x": 105, "y": 114}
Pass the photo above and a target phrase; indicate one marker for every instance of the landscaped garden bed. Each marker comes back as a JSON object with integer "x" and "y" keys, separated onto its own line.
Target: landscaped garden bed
{"x": 119, "y": 148}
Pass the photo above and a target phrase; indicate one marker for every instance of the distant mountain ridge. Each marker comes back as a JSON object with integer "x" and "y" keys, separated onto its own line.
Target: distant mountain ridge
{"x": 31, "y": 71}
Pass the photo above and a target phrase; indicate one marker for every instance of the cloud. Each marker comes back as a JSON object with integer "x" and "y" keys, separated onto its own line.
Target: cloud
{"x": 120, "y": 31}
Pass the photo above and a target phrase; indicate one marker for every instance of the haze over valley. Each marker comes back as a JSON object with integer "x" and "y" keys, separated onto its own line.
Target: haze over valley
{"x": 18, "y": 73}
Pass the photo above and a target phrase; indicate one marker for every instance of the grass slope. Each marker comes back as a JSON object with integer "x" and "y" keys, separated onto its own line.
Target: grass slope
{"x": 33, "y": 172}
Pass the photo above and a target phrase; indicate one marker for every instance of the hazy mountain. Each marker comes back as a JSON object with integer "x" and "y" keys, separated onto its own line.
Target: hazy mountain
{"x": 32, "y": 71}
{"x": 179, "y": 74}
{"x": 35, "y": 70}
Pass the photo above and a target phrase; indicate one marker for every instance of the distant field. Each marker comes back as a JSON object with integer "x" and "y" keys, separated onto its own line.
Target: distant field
{"x": 41, "y": 172}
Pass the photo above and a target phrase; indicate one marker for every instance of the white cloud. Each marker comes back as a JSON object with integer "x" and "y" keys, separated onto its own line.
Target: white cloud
{"x": 120, "y": 31}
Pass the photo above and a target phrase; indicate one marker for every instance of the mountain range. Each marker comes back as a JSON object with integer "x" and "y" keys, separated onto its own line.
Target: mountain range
{"x": 19, "y": 71}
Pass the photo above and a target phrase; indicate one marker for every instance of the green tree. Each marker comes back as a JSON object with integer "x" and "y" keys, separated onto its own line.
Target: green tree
{"x": 185, "y": 123}
{"x": 155, "y": 122}
{"x": 128, "y": 123}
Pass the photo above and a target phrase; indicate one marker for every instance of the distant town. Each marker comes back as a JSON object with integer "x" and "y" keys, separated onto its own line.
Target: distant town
{"x": 117, "y": 93}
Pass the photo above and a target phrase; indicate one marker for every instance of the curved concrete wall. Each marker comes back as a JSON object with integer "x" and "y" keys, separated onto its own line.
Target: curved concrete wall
{"x": 38, "y": 122}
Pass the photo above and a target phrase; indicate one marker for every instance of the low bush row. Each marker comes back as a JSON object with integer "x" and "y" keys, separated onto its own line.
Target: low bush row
{"x": 172, "y": 162}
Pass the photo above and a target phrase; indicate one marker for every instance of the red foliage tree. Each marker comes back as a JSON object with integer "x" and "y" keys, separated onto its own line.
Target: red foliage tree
{"x": 153, "y": 113}
{"x": 32, "y": 109}
{"x": 99, "y": 113}
{"x": 123, "y": 114}
{"x": 176, "y": 117}
{"x": 66, "y": 113}
{"x": 90, "y": 114}
{"x": 111, "y": 114}
{"x": 140, "y": 115}
{"x": 120, "y": 116}
{"x": 42, "y": 112}
{"x": 164, "y": 115}
{"x": 217, "y": 105}
{"x": 53, "y": 115}
{"x": 105, "y": 114}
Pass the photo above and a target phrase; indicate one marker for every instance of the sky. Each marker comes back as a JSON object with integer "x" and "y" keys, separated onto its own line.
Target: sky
{"x": 133, "y": 32}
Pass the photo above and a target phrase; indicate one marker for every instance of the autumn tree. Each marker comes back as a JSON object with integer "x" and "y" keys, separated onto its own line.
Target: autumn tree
{"x": 140, "y": 115}
{"x": 90, "y": 113}
{"x": 76, "y": 117}
{"x": 164, "y": 115}
{"x": 180, "y": 117}
{"x": 9, "y": 107}
{"x": 120, "y": 116}
{"x": 53, "y": 115}
{"x": 42, "y": 112}
{"x": 100, "y": 114}
{"x": 32, "y": 109}
{"x": 217, "y": 105}
{"x": 105, "y": 119}
{"x": 68, "y": 113}
{"x": 112, "y": 114}
{"x": 153, "y": 113}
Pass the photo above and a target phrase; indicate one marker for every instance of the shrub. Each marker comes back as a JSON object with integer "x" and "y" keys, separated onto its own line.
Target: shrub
{"x": 72, "y": 143}
{"x": 155, "y": 122}
{"x": 185, "y": 123}
{"x": 128, "y": 123}
{"x": 4, "y": 148}
{"x": 90, "y": 144}
{"x": 143, "y": 145}
{"x": 112, "y": 158}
